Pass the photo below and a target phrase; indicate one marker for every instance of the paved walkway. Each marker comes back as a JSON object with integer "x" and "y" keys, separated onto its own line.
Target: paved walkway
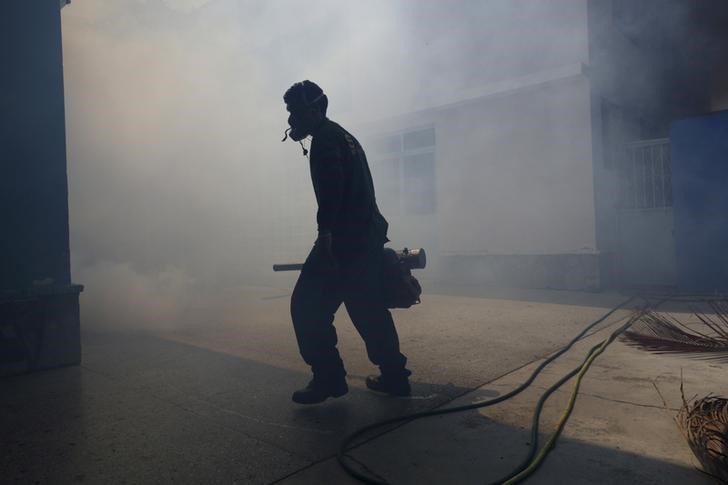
{"x": 207, "y": 400}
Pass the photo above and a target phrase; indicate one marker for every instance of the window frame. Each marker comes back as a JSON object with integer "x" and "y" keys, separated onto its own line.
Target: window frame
{"x": 400, "y": 156}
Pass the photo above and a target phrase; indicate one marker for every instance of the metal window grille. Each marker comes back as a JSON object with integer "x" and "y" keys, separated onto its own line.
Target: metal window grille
{"x": 647, "y": 175}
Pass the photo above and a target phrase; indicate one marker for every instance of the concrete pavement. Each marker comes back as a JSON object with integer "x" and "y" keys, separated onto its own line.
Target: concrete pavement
{"x": 207, "y": 399}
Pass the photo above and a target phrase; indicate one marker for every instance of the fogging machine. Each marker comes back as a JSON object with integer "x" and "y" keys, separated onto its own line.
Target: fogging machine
{"x": 402, "y": 290}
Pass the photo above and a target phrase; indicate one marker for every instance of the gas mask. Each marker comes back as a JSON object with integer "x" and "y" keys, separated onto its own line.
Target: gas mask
{"x": 293, "y": 134}
{"x": 298, "y": 130}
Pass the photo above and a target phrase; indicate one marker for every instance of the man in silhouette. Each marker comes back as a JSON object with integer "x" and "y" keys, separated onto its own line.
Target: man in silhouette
{"x": 345, "y": 264}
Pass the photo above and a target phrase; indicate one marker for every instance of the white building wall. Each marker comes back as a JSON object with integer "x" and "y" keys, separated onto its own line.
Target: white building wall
{"x": 427, "y": 53}
{"x": 509, "y": 98}
{"x": 515, "y": 173}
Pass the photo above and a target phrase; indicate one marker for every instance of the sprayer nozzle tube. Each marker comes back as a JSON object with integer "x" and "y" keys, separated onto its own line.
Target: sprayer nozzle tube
{"x": 413, "y": 258}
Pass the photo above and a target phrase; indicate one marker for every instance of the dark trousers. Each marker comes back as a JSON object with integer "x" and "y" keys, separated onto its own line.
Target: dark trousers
{"x": 358, "y": 284}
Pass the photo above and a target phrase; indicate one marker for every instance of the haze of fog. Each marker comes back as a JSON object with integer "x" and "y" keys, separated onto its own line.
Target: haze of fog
{"x": 179, "y": 185}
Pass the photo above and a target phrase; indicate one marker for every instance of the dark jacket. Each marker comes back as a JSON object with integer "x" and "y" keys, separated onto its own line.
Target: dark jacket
{"x": 344, "y": 190}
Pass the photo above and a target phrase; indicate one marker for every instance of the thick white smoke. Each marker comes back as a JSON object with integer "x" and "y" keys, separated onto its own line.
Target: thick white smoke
{"x": 179, "y": 185}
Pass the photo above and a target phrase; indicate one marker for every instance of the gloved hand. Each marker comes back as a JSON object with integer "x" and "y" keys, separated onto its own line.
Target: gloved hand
{"x": 321, "y": 259}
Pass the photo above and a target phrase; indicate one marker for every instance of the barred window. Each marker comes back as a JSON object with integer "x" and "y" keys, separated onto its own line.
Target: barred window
{"x": 647, "y": 175}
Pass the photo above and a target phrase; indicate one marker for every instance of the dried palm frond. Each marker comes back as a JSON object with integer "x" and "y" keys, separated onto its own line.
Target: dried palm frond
{"x": 704, "y": 423}
{"x": 665, "y": 334}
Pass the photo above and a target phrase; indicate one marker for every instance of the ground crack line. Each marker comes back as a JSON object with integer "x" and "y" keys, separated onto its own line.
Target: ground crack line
{"x": 597, "y": 396}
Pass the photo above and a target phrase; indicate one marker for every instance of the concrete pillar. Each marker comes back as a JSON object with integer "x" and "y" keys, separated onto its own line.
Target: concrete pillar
{"x": 39, "y": 318}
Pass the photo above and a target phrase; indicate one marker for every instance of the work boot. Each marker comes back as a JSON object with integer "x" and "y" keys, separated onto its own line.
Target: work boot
{"x": 318, "y": 390}
{"x": 394, "y": 386}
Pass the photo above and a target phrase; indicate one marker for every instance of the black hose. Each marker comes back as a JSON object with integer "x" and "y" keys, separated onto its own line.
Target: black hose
{"x": 411, "y": 417}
